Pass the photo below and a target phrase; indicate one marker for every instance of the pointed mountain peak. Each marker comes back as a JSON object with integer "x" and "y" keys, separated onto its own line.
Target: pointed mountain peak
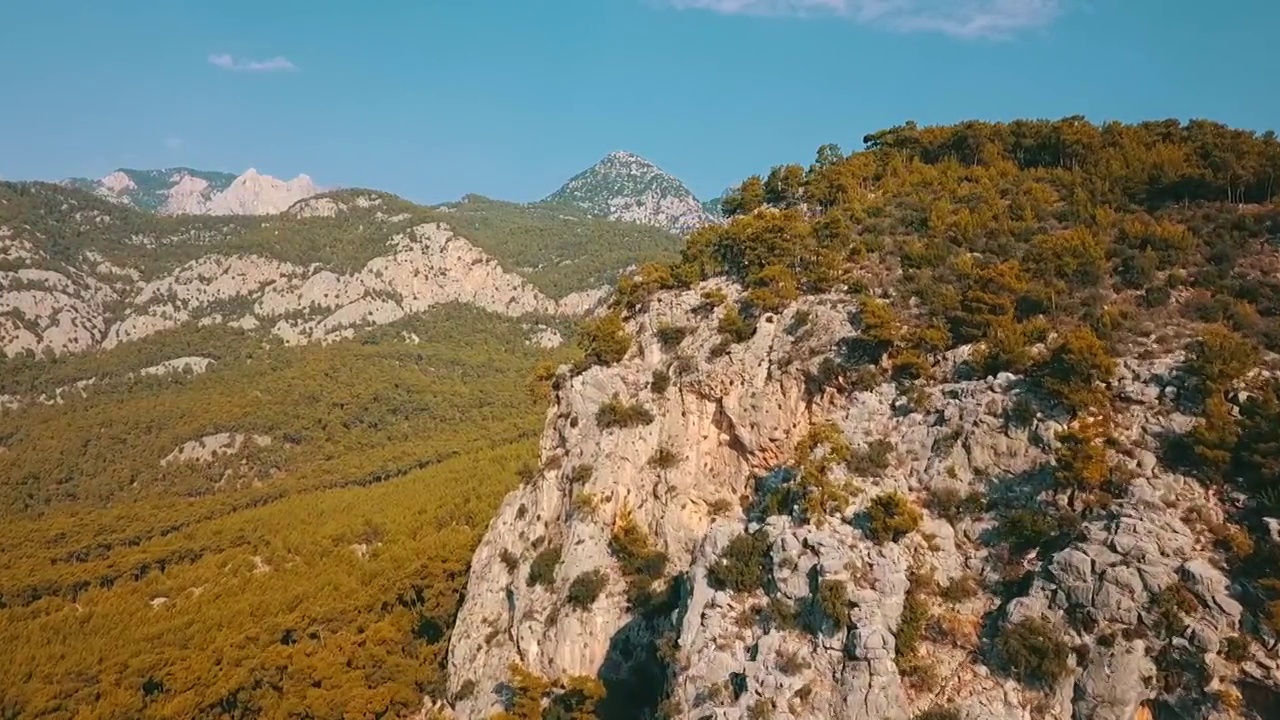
{"x": 626, "y": 187}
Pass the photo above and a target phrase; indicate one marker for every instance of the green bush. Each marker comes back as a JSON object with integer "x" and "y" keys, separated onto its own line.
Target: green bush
{"x": 581, "y": 474}
{"x": 670, "y": 336}
{"x": 734, "y": 328}
{"x": 614, "y": 413}
{"x": 1033, "y": 652}
{"x": 953, "y": 503}
{"x": 665, "y": 458}
{"x": 660, "y": 381}
{"x": 542, "y": 571}
{"x": 604, "y": 341}
{"x": 1032, "y": 528}
{"x": 830, "y": 604}
{"x": 641, "y": 564}
{"x": 872, "y": 460}
{"x": 743, "y": 567}
{"x": 509, "y": 559}
{"x": 892, "y": 516}
{"x": 940, "y": 712}
{"x": 585, "y": 588}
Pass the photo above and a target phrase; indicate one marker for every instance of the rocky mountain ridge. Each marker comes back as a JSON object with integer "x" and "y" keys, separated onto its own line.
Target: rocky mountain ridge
{"x": 184, "y": 191}
{"x": 626, "y": 187}
{"x": 672, "y": 461}
{"x": 57, "y": 300}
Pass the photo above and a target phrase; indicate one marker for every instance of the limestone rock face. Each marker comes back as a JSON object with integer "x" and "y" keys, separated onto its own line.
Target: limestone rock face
{"x": 98, "y": 305}
{"x": 735, "y": 417}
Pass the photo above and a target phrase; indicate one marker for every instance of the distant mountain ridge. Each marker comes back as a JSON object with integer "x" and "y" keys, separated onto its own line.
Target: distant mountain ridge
{"x": 186, "y": 191}
{"x": 626, "y": 187}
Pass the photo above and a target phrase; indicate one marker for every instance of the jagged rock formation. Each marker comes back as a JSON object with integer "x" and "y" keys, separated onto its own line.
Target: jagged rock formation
{"x": 725, "y": 422}
{"x": 628, "y": 188}
{"x": 184, "y": 191}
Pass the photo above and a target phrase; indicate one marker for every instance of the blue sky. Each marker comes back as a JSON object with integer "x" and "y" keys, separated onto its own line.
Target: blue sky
{"x": 508, "y": 98}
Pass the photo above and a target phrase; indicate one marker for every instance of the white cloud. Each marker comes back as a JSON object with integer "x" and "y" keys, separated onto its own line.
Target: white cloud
{"x": 227, "y": 61}
{"x": 958, "y": 18}
{"x": 173, "y": 143}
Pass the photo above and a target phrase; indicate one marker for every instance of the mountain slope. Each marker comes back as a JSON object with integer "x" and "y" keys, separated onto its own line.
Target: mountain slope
{"x": 79, "y": 272}
{"x": 184, "y": 191}
{"x": 628, "y": 188}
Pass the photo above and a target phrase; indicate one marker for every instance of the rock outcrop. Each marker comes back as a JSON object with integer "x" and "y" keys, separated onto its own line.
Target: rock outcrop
{"x": 820, "y": 637}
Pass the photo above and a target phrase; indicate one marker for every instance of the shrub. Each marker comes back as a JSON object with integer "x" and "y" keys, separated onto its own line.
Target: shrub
{"x": 915, "y": 617}
{"x": 953, "y": 503}
{"x": 660, "y": 381}
{"x": 1238, "y": 648}
{"x": 940, "y": 712}
{"x": 734, "y": 328}
{"x": 509, "y": 559}
{"x": 641, "y": 565}
{"x": 670, "y": 336}
{"x": 829, "y": 604}
{"x": 581, "y": 474}
{"x": 1032, "y": 652}
{"x": 1031, "y": 528}
{"x": 964, "y": 587}
{"x": 542, "y": 571}
{"x": 792, "y": 663}
{"x": 872, "y": 460}
{"x": 604, "y": 341}
{"x": 1170, "y": 607}
{"x": 909, "y": 366}
{"x": 892, "y": 516}
{"x": 1076, "y": 369}
{"x": 584, "y": 503}
{"x": 743, "y": 567}
{"x": 1080, "y": 460}
{"x": 1220, "y": 357}
{"x": 614, "y": 413}
{"x": 585, "y": 588}
{"x": 664, "y": 458}
{"x": 721, "y": 507}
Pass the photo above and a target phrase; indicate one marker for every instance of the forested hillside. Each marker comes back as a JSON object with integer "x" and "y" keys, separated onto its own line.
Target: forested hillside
{"x": 316, "y": 574}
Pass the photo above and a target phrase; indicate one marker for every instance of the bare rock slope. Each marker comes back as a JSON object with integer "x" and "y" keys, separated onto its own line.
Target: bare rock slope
{"x": 819, "y": 634}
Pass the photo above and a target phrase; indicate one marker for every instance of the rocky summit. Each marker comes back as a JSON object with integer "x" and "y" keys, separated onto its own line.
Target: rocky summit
{"x": 184, "y": 191}
{"x": 626, "y": 187}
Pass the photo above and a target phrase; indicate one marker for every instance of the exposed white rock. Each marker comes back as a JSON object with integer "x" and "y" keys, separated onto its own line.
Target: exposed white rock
{"x": 255, "y": 194}
{"x": 193, "y": 365}
{"x": 736, "y": 418}
{"x": 209, "y": 447}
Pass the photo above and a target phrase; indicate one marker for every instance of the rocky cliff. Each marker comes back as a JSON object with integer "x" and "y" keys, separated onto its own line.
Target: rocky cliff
{"x": 655, "y": 551}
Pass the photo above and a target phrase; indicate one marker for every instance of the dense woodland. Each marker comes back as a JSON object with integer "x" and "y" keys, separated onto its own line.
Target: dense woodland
{"x": 318, "y": 576}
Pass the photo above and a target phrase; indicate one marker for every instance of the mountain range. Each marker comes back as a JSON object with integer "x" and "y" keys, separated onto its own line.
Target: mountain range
{"x": 184, "y": 191}
{"x": 622, "y": 186}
